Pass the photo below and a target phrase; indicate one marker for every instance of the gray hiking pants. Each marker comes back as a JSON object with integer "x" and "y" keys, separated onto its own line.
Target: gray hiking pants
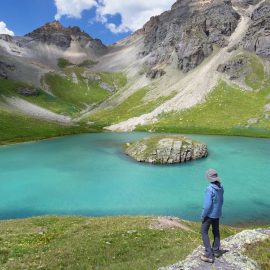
{"x": 206, "y": 241}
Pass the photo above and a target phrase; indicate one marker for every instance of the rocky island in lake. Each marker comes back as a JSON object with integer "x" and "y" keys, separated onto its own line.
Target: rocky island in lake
{"x": 166, "y": 149}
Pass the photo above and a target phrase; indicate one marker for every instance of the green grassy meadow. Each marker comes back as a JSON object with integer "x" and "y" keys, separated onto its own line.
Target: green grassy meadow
{"x": 16, "y": 127}
{"x": 118, "y": 243}
{"x": 133, "y": 106}
{"x": 82, "y": 91}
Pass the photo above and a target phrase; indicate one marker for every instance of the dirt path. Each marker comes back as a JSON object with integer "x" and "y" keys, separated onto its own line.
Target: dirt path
{"x": 197, "y": 84}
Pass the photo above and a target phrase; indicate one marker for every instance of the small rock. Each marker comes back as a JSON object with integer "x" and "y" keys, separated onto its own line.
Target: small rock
{"x": 252, "y": 121}
{"x": 131, "y": 231}
{"x": 90, "y": 76}
{"x": 27, "y": 92}
{"x": 3, "y": 74}
{"x": 236, "y": 68}
{"x": 267, "y": 108}
{"x": 74, "y": 78}
{"x": 107, "y": 87}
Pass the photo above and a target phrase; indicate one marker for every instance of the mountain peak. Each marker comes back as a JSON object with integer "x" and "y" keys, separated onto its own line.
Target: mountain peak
{"x": 55, "y": 27}
{"x": 54, "y": 33}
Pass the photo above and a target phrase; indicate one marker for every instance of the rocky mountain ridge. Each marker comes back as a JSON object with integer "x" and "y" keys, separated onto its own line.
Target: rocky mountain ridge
{"x": 191, "y": 29}
{"x": 179, "y": 56}
{"x": 257, "y": 38}
{"x": 53, "y": 33}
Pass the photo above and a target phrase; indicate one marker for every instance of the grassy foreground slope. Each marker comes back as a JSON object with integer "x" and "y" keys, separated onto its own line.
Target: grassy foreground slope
{"x": 107, "y": 243}
{"x": 118, "y": 243}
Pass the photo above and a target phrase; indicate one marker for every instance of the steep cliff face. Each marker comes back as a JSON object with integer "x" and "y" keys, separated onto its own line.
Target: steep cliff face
{"x": 257, "y": 38}
{"x": 190, "y": 29}
{"x": 54, "y": 33}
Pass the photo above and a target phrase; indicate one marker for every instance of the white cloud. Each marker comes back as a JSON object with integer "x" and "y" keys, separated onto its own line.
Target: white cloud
{"x": 134, "y": 13}
{"x": 5, "y": 30}
{"x": 72, "y": 8}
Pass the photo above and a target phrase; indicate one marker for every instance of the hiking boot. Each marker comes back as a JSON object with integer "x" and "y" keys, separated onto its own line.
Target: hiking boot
{"x": 207, "y": 259}
{"x": 219, "y": 253}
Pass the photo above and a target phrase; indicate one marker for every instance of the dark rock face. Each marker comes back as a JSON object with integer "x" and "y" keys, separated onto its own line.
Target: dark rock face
{"x": 190, "y": 28}
{"x": 27, "y": 92}
{"x": 3, "y": 74}
{"x": 245, "y": 3}
{"x": 4, "y": 68}
{"x": 257, "y": 38}
{"x": 4, "y": 65}
{"x": 166, "y": 150}
{"x": 235, "y": 68}
{"x": 155, "y": 73}
{"x": 56, "y": 34}
{"x": 6, "y": 38}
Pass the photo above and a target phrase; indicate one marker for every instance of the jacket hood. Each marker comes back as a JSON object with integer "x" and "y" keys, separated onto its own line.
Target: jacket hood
{"x": 216, "y": 187}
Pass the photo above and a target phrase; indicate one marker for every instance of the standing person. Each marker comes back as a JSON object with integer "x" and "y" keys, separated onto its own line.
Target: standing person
{"x": 211, "y": 214}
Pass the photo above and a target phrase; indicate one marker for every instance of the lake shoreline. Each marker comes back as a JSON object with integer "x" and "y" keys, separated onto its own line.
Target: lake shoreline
{"x": 246, "y": 224}
{"x": 185, "y": 132}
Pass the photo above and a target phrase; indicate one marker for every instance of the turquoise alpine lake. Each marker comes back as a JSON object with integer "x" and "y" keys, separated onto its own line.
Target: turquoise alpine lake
{"x": 90, "y": 175}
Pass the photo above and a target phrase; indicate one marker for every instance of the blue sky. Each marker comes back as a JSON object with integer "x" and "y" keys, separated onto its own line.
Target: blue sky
{"x": 108, "y": 20}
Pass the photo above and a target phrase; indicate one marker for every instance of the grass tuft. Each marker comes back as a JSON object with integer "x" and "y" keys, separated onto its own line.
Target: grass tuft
{"x": 63, "y": 63}
{"x": 260, "y": 252}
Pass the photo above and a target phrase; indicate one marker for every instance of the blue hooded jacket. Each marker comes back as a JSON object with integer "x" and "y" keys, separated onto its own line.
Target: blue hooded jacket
{"x": 213, "y": 201}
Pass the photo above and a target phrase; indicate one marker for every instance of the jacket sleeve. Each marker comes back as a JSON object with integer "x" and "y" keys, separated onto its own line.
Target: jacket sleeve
{"x": 207, "y": 203}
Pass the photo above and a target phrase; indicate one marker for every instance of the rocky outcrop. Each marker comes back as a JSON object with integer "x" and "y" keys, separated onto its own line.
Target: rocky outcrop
{"x": 235, "y": 68}
{"x": 155, "y": 73}
{"x": 3, "y": 75}
{"x": 244, "y": 3}
{"x": 233, "y": 259}
{"x": 27, "y": 92}
{"x": 54, "y": 33}
{"x": 257, "y": 38}
{"x": 89, "y": 75}
{"x": 267, "y": 108}
{"x": 8, "y": 66}
{"x": 107, "y": 87}
{"x": 5, "y": 68}
{"x": 190, "y": 29}
{"x": 166, "y": 150}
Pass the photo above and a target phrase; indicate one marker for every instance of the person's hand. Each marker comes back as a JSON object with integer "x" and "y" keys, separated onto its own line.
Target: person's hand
{"x": 202, "y": 219}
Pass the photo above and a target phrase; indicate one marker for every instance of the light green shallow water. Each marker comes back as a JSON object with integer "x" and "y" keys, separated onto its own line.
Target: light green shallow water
{"x": 89, "y": 175}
